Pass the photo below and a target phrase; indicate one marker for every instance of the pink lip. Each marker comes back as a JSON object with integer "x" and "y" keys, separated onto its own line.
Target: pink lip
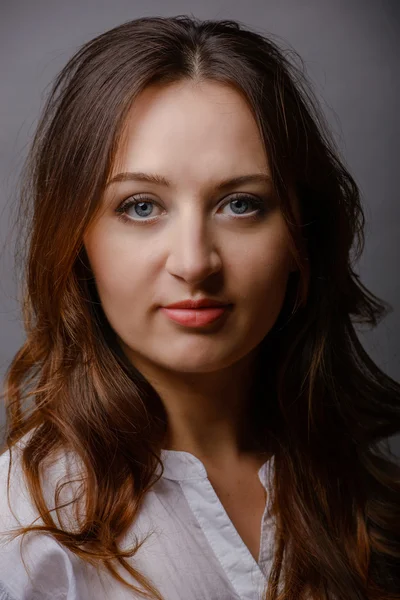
{"x": 195, "y": 304}
{"x": 194, "y": 318}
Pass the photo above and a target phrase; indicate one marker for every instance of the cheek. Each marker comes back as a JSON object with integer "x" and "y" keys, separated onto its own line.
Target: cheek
{"x": 261, "y": 270}
{"x": 118, "y": 269}
{"x": 256, "y": 270}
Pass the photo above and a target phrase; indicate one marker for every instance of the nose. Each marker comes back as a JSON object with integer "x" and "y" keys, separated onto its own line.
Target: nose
{"x": 192, "y": 255}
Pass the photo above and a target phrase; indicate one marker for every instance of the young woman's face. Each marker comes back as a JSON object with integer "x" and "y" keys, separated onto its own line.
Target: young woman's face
{"x": 190, "y": 239}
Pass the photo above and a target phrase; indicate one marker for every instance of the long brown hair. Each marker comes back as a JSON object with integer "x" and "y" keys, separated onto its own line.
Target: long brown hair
{"x": 323, "y": 406}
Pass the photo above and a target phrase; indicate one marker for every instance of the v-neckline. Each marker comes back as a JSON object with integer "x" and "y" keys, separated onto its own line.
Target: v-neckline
{"x": 243, "y": 571}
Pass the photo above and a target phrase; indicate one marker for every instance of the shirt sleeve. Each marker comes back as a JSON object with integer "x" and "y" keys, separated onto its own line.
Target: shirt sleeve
{"x": 4, "y": 595}
{"x": 37, "y": 566}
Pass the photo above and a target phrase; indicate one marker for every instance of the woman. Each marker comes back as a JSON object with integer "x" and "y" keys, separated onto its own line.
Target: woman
{"x": 230, "y": 446}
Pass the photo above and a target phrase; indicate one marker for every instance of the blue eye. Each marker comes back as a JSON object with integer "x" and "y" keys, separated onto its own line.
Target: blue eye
{"x": 243, "y": 201}
{"x": 143, "y": 207}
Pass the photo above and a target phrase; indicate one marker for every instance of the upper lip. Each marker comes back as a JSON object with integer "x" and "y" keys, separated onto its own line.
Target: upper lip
{"x": 200, "y": 303}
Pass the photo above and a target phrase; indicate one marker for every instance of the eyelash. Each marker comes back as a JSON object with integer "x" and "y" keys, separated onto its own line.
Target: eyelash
{"x": 127, "y": 204}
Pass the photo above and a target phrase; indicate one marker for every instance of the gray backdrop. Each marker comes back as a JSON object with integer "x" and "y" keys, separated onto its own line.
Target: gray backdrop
{"x": 351, "y": 52}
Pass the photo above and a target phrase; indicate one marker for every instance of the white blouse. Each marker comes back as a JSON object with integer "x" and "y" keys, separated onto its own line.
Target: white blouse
{"x": 194, "y": 552}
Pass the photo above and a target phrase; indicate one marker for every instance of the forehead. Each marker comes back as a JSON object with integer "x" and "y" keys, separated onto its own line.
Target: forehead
{"x": 193, "y": 129}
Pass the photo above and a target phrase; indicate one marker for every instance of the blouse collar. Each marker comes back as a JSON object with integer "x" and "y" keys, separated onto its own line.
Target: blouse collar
{"x": 180, "y": 466}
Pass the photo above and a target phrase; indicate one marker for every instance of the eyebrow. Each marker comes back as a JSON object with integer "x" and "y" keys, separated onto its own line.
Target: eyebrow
{"x": 160, "y": 180}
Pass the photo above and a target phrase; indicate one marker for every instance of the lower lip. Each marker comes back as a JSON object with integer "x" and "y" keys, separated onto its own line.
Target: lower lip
{"x": 195, "y": 318}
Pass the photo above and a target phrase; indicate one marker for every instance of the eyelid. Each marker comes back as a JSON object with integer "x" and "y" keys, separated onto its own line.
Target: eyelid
{"x": 143, "y": 197}
{"x": 260, "y": 202}
{"x": 136, "y": 199}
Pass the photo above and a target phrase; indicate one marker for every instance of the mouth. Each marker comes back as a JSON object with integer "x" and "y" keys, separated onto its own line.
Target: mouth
{"x": 199, "y": 303}
{"x": 198, "y": 317}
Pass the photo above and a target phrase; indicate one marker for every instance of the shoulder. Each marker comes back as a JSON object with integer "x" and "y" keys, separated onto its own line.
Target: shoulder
{"x": 40, "y": 566}
{"x": 16, "y": 508}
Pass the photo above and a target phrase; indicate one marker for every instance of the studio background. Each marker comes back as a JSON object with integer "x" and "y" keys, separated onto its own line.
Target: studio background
{"x": 351, "y": 53}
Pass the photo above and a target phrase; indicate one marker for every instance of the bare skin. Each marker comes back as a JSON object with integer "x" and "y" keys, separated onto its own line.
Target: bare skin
{"x": 244, "y": 498}
{"x": 194, "y": 241}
